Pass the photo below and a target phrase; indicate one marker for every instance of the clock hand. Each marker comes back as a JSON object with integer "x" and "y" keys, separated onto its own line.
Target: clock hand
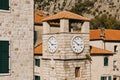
{"x": 53, "y": 44}
{"x": 76, "y": 43}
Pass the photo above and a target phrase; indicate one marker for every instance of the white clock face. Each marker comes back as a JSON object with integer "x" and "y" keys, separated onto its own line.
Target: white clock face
{"x": 52, "y": 44}
{"x": 77, "y": 44}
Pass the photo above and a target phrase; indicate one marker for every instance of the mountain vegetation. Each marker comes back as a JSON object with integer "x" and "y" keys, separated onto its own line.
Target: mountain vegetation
{"x": 105, "y": 21}
{"x": 103, "y": 13}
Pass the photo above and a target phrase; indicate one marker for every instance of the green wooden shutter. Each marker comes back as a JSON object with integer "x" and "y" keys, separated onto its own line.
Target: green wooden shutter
{"x": 102, "y": 78}
{"x": 109, "y": 78}
{"x": 1, "y": 4}
{"x": 4, "y": 56}
{"x": 37, "y": 77}
{"x": 106, "y": 61}
{"x": 39, "y": 62}
{"x": 4, "y": 4}
{"x": 35, "y": 36}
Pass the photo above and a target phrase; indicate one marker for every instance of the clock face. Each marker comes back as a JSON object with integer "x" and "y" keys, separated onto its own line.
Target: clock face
{"x": 77, "y": 44}
{"x": 52, "y": 44}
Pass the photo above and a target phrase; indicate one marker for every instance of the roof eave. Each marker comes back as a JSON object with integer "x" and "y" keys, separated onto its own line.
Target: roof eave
{"x": 45, "y": 20}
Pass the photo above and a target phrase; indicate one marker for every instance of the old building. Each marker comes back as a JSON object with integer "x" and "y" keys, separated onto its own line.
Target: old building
{"x": 104, "y": 53}
{"x": 109, "y": 40}
{"x": 16, "y": 42}
{"x": 101, "y": 64}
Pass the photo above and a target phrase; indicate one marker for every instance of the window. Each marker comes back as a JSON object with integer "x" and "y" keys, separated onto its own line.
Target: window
{"x": 115, "y": 78}
{"x": 4, "y": 56}
{"x": 106, "y": 78}
{"x": 109, "y": 78}
{"x": 106, "y": 61}
{"x": 37, "y": 77}
{"x": 35, "y": 36}
{"x": 37, "y": 62}
{"x": 4, "y": 4}
{"x": 77, "y": 72}
{"x": 103, "y": 78}
{"x": 115, "y": 48}
{"x": 114, "y": 64}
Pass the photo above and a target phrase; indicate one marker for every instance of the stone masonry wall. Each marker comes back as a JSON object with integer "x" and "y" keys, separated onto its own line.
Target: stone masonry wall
{"x": 61, "y": 64}
{"x": 16, "y": 25}
{"x": 65, "y": 70}
{"x": 64, "y": 50}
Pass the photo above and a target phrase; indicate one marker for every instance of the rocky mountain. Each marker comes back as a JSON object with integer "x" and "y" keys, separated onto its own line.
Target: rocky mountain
{"x": 89, "y": 8}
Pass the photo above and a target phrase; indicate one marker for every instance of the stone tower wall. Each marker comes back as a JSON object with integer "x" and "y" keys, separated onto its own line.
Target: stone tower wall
{"x": 65, "y": 70}
{"x": 61, "y": 64}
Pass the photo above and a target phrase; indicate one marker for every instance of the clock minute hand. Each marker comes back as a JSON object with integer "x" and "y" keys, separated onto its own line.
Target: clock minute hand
{"x": 76, "y": 43}
{"x": 51, "y": 43}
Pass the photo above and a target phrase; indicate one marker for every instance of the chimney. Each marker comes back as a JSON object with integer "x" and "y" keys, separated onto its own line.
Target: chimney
{"x": 102, "y": 35}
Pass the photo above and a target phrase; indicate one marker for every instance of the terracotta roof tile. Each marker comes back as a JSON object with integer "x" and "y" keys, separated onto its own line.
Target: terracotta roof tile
{"x": 65, "y": 15}
{"x": 99, "y": 51}
{"x": 38, "y": 16}
{"x": 110, "y": 34}
{"x": 38, "y": 49}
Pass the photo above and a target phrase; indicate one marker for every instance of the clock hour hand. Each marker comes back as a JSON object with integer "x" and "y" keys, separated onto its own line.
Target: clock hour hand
{"x": 51, "y": 43}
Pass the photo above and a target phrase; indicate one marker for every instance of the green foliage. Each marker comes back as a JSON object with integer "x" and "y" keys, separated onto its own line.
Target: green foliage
{"x": 83, "y": 7}
{"x": 105, "y": 21}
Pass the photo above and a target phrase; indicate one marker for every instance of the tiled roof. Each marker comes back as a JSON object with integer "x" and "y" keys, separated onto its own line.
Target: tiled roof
{"x": 38, "y": 49}
{"x": 38, "y": 16}
{"x": 111, "y": 35}
{"x": 66, "y": 15}
{"x": 99, "y": 51}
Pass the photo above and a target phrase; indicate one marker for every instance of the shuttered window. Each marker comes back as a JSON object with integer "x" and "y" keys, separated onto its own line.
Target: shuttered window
{"x": 35, "y": 36}
{"x": 4, "y": 4}
{"x": 104, "y": 78}
{"x": 4, "y": 56}
{"x": 106, "y": 61}
{"x": 109, "y": 78}
{"x": 37, "y": 62}
{"x": 37, "y": 77}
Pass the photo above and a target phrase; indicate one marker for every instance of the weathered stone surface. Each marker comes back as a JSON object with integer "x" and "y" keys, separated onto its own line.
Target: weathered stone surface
{"x": 65, "y": 60}
{"x": 16, "y": 25}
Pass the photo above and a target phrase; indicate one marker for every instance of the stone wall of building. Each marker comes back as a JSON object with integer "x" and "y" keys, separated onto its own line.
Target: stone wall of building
{"x": 97, "y": 43}
{"x": 98, "y": 69}
{"x": 16, "y": 26}
{"x": 108, "y": 45}
{"x": 116, "y": 57}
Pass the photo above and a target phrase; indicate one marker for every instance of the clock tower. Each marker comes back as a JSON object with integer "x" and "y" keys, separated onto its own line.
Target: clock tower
{"x": 66, "y": 51}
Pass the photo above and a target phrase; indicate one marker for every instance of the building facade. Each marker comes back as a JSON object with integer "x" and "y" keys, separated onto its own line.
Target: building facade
{"x": 109, "y": 40}
{"x": 104, "y": 52}
{"x": 16, "y": 40}
{"x": 101, "y": 64}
